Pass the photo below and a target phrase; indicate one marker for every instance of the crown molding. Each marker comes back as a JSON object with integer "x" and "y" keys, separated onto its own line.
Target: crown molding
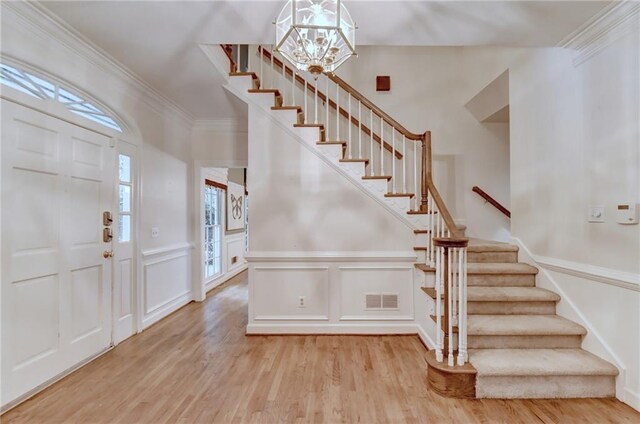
{"x": 223, "y": 126}
{"x": 612, "y": 22}
{"x": 43, "y": 21}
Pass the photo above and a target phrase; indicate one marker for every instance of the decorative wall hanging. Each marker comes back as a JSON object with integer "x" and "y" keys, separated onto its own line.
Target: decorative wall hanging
{"x": 235, "y": 206}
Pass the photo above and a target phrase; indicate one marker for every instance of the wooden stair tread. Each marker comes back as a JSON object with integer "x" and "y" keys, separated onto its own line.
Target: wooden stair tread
{"x": 332, "y": 143}
{"x": 419, "y": 248}
{"x": 421, "y": 231}
{"x": 243, "y": 74}
{"x": 321, "y": 126}
{"x": 399, "y": 195}
{"x": 377, "y": 177}
{"x": 298, "y": 108}
{"x": 425, "y": 268}
{"x": 265, "y": 90}
{"x": 442, "y": 366}
{"x": 366, "y": 161}
{"x": 412, "y": 212}
{"x": 430, "y": 291}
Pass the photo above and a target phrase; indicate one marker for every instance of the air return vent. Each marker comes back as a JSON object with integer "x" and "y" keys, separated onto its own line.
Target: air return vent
{"x": 373, "y": 301}
{"x": 381, "y": 301}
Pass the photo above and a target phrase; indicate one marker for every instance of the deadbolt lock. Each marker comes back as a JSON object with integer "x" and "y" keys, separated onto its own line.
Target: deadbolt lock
{"x": 107, "y": 235}
{"x": 107, "y": 219}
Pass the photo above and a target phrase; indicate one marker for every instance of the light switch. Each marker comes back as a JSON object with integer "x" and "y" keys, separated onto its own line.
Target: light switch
{"x": 155, "y": 232}
{"x": 596, "y": 213}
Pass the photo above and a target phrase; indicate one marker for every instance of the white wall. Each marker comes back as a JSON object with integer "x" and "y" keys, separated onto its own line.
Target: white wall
{"x": 161, "y": 131}
{"x": 575, "y": 142}
{"x": 314, "y": 234}
{"x": 429, "y": 89}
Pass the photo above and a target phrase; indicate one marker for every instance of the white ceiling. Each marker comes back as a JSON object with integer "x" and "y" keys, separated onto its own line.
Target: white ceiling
{"x": 158, "y": 40}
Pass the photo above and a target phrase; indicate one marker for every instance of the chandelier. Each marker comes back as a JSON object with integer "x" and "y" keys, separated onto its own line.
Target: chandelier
{"x": 315, "y": 35}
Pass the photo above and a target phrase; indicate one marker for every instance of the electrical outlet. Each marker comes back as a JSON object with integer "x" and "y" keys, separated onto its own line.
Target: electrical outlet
{"x": 302, "y": 302}
{"x": 155, "y": 232}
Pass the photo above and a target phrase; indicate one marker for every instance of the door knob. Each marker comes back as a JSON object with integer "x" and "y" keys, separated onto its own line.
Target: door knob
{"x": 107, "y": 254}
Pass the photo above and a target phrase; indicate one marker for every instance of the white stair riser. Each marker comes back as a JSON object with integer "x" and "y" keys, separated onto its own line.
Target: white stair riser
{"x": 309, "y": 134}
{"x": 501, "y": 280}
{"x": 378, "y": 187}
{"x": 354, "y": 168}
{"x": 242, "y": 83}
{"x": 523, "y": 342}
{"x": 333, "y": 151}
{"x": 288, "y": 117}
{"x": 267, "y": 100}
{"x": 545, "y": 387}
{"x": 511, "y": 308}
{"x": 402, "y": 203}
{"x": 484, "y": 257}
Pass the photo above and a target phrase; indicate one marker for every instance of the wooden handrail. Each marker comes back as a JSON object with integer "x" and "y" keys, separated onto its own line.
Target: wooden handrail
{"x": 491, "y": 200}
{"x": 377, "y": 110}
{"x": 435, "y": 195}
{"x": 323, "y": 97}
{"x": 228, "y": 51}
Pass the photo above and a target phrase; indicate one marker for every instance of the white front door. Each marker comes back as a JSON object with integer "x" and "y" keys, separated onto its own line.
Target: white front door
{"x": 57, "y": 180}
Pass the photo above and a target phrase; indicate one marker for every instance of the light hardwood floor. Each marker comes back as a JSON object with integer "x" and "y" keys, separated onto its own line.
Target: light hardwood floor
{"x": 198, "y": 366}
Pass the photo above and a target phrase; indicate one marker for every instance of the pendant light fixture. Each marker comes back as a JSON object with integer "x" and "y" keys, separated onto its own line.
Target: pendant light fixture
{"x": 316, "y": 36}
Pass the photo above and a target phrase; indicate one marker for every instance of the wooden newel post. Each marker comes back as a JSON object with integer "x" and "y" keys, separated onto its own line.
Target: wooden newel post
{"x": 426, "y": 169}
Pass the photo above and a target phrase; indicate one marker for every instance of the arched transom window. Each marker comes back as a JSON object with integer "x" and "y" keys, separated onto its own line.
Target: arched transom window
{"x": 39, "y": 87}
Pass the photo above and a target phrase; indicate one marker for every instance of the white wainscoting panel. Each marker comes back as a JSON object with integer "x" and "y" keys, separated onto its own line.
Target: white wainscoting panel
{"x": 166, "y": 282}
{"x": 358, "y": 281}
{"x": 334, "y": 286}
{"x": 276, "y": 293}
{"x": 235, "y": 249}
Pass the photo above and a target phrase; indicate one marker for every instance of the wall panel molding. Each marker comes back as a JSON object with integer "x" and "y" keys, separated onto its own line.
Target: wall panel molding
{"x": 363, "y": 256}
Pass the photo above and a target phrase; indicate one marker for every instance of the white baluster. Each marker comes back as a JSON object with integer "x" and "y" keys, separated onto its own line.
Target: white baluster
{"x": 415, "y": 173}
{"x": 438, "y": 283}
{"x": 304, "y": 108}
{"x": 315, "y": 109}
{"x": 382, "y": 146}
{"x": 338, "y": 113}
{"x": 249, "y": 68}
{"x": 326, "y": 118}
{"x": 404, "y": 164}
{"x": 284, "y": 81}
{"x": 449, "y": 314}
{"x": 393, "y": 160}
{"x": 429, "y": 255}
{"x": 350, "y": 144}
{"x": 293, "y": 87}
{"x": 360, "y": 129}
{"x": 373, "y": 172}
{"x": 462, "y": 322}
{"x": 272, "y": 71}
{"x": 238, "y": 68}
{"x": 454, "y": 286}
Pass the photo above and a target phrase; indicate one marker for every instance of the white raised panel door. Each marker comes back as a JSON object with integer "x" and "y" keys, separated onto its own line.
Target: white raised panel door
{"x": 56, "y": 285}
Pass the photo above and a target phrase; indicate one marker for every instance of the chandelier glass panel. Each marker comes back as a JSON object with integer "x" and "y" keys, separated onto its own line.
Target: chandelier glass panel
{"x": 315, "y": 35}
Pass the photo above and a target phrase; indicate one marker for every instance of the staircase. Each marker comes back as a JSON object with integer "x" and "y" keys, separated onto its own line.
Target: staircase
{"x": 518, "y": 346}
{"x": 499, "y": 335}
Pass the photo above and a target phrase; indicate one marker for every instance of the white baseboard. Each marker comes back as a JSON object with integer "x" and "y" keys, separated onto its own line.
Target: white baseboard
{"x": 622, "y": 393}
{"x": 224, "y": 278}
{"x": 632, "y": 399}
{"x": 166, "y": 309}
{"x": 425, "y": 338}
{"x": 302, "y": 328}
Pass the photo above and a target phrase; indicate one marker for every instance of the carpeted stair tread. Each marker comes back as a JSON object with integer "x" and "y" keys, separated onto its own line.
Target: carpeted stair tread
{"x": 501, "y": 268}
{"x": 522, "y": 325}
{"x": 510, "y": 294}
{"x": 539, "y": 362}
{"x": 479, "y": 246}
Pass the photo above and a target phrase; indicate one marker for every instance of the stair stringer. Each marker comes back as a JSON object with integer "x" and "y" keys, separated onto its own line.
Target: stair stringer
{"x": 413, "y": 222}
